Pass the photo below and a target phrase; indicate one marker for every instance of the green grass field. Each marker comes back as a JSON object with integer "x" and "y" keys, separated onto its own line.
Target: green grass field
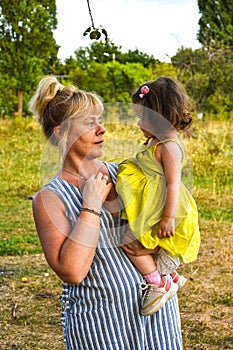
{"x": 30, "y": 311}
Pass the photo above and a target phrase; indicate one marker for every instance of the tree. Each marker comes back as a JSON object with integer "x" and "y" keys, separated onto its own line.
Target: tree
{"x": 101, "y": 52}
{"x": 113, "y": 81}
{"x": 136, "y": 56}
{"x": 207, "y": 72}
{"x": 27, "y": 46}
{"x": 208, "y": 78}
{"x": 216, "y": 23}
{"x": 103, "y": 68}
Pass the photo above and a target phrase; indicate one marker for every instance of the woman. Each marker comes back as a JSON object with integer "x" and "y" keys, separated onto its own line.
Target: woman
{"x": 78, "y": 222}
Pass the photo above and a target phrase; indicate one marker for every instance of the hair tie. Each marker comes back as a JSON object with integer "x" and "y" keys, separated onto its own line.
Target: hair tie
{"x": 144, "y": 91}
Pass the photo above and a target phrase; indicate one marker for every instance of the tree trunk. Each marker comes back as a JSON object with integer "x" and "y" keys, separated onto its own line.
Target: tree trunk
{"x": 20, "y": 103}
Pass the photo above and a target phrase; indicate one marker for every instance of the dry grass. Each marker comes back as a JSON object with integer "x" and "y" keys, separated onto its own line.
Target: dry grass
{"x": 206, "y": 301}
{"x": 30, "y": 311}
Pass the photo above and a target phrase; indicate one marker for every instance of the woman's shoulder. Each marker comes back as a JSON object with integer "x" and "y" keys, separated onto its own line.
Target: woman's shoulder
{"x": 111, "y": 165}
{"x": 56, "y": 188}
{"x": 45, "y": 200}
{"x": 112, "y": 168}
{"x": 48, "y": 189}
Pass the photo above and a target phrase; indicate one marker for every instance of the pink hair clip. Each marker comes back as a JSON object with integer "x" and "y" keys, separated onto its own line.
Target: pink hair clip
{"x": 144, "y": 91}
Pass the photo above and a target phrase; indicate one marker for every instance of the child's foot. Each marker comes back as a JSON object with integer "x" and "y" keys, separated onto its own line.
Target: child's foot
{"x": 178, "y": 279}
{"x": 156, "y": 296}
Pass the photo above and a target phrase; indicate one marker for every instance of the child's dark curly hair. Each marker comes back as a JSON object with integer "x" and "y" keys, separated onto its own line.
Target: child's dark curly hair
{"x": 168, "y": 98}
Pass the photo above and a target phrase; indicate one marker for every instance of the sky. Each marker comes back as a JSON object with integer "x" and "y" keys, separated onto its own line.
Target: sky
{"x": 154, "y": 27}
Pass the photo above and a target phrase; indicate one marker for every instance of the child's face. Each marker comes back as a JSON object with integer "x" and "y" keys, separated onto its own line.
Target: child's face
{"x": 143, "y": 126}
{"x": 152, "y": 123}
{"x": 142, "y": 123}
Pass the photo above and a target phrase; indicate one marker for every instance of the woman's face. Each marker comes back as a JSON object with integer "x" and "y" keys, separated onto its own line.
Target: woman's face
{"x": 86, "y": 136}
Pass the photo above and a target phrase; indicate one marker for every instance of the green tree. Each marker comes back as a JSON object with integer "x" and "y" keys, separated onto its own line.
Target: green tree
{"x": 113, "y": 81}
{"x": 136, "y": 56}
{"x": 99, "y": 52}
{"x": 208, "y": 78}
{"x": 103, "y": 52}
{"x": 27, "y": 46}
{"x": 216, "y": 22}
{"x": 207, "y": 72}
{"x": 103, "y": 68}
{"x": 8, "y": 99}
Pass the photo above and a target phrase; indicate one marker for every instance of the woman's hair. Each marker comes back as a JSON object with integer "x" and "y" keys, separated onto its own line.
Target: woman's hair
{"x": 166, "y": 97}
{"x": 53, "y": 104}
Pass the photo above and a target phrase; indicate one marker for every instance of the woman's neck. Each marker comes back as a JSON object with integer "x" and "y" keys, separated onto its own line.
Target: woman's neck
{"x": 81, "y": 169}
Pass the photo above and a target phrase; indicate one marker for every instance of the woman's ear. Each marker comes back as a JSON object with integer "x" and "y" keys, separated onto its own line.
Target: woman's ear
{"x": 58, "y": 132}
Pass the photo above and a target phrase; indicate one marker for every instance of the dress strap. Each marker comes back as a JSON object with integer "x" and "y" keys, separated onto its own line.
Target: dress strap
{"x": 179, "y": 143}
{"x": 171, "y": 140}
{"x": 168, "y": 140}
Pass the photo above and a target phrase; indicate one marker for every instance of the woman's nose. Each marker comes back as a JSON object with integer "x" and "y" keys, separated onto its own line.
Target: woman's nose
{"x": 101, "y": 129}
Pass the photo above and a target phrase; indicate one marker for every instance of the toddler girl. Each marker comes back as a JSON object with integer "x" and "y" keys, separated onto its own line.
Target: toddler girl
{"x": 159, "y": 208}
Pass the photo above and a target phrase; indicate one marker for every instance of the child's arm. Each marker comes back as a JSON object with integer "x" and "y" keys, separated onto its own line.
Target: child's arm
{"x": 170, "y": 157}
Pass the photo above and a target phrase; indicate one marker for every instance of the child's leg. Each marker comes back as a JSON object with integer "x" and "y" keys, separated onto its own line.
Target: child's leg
{"x": 167, "y": 265}
{"x": 147, "y": 267}
{"x": 158, "y": 290}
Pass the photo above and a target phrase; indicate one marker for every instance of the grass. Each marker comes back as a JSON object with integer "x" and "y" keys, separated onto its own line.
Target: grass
{"x": 30, "y": 312}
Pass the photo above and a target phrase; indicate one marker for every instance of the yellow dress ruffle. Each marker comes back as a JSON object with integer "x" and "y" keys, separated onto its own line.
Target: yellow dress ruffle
{"x": 141, "y": 185}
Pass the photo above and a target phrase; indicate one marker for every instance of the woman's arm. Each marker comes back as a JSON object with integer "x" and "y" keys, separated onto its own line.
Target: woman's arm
{"x": 171, "y": 157}
{"x": 68, "y": 251}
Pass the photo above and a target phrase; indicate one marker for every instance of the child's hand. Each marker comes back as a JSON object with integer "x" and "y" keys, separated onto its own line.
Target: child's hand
{"x": 166, "y": 227}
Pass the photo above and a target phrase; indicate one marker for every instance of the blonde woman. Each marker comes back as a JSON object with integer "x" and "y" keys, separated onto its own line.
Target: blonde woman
{"x": 78, "y": 222}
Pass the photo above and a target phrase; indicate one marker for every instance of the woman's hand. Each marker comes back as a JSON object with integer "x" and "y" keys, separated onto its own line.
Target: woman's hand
{"x": 96, "y": 190}
{"x": 134, "y": 247}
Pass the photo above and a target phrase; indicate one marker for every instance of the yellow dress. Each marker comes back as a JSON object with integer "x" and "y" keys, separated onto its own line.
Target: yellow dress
{"x": 141, "y": 185}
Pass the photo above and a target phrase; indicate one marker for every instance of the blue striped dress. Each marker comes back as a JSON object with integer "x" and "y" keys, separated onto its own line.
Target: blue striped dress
{"x": 102, "y": 312}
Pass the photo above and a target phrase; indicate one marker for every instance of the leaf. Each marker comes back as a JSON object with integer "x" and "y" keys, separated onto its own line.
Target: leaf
{"x": 98, "y": 34}
{"x": 93, "y": 35}
{"x": 86, "y": 31}
{"x": 105, "y": 32}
